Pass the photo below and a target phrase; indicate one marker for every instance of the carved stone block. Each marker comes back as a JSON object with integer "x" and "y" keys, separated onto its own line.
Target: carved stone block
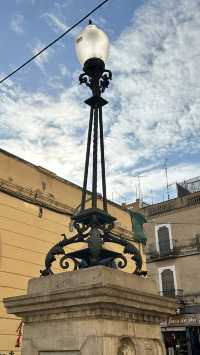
{"x": 95, "y": 311}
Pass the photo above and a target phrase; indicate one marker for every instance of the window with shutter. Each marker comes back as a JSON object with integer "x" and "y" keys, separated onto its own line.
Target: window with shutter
{"x": 168, "y": 284}
{"x": 164, "y": 241}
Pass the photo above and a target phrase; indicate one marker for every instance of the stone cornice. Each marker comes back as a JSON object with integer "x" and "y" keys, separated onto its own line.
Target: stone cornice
{"x": 99, "y": 299}
{"x": 51, "y": 174}
{"x": 45, "y": 200}
{"x": 35, "y": 197}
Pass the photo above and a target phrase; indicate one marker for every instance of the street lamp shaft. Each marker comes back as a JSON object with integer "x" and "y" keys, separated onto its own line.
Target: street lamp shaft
{"x": 95, "y": 128}
{"x": 96, "y": 77}
{"x": 83, "y": 200}
{"x": 95, "y": 156}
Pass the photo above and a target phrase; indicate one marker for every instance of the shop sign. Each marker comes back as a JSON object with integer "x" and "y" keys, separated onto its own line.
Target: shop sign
{"x": 185, "y": 320}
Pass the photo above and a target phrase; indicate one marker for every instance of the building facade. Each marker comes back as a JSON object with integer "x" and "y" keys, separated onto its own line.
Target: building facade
{"x": 173, "y": 260}
{"x": 35, "y": 209}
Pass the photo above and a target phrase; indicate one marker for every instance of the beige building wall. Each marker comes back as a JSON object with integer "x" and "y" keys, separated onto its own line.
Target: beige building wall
{"x": 35, "y": 208}
{"x": 184, "y": 223}
{"x": 186, "y": 272}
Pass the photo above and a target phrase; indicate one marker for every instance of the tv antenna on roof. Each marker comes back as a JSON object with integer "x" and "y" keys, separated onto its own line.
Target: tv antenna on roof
{"x": 138, "y": 188}
{"x": 166, "y": 176}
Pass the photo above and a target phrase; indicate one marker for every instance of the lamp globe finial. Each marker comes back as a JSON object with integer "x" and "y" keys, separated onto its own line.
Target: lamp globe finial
{"x": 91, "y": 43}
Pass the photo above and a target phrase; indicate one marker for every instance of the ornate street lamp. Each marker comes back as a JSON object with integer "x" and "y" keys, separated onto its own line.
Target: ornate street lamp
{"x": 94, "y": 225}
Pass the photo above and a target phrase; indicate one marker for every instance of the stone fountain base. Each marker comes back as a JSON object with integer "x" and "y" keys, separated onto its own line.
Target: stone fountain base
{"x": 94, "y": 311}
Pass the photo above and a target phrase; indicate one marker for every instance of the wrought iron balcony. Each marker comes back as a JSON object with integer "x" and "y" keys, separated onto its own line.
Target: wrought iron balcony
{"x": 168, "y": 293}
{"x": 190, "y": 246}
{"x": 154, "y": 254}
{"x": 175, "y": 293}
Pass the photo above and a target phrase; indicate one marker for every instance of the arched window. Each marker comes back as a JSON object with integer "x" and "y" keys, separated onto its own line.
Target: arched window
{"x": 163, "y": 237}
{"x": 168, "y": 283}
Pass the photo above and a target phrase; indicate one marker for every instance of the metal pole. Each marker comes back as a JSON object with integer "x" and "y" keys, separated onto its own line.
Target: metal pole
{"x": 166, "y": 176}
{"x": 102, "y": 160}
{"x": 95, "y": 155}
{"x": 87, "y": 160}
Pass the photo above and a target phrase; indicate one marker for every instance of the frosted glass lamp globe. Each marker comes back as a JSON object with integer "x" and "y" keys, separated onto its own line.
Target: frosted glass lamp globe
{"x": 92, "y": 43}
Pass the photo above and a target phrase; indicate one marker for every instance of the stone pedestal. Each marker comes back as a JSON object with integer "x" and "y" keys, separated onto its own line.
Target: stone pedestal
{"x": 95, "y": 311}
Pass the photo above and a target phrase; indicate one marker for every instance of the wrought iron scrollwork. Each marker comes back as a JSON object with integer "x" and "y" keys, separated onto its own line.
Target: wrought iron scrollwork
{"x": 103, "y": 80}
{"x": 95, "y": 252}
{"x": 129, "y": 249}
{"x": 95, "y": 76}
{"x": 58, "y": 249}
{"x": 65, "y": 264}
{"x": 121, "y": 262}
{"x": 85, "y": 79}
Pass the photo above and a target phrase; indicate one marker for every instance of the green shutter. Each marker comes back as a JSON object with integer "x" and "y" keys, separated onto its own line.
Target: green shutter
{"x": 137, "y": 220}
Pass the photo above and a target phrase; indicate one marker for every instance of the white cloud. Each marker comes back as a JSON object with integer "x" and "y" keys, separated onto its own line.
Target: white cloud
{"x": 45, "y": 130}
{"x": 153, "y": 106}
{"x": 17, "y": 23}
{"x": 58, "y": 24}
{"x": 156, "y": 86}
{"x": 43, "y": 58}
{"x": 64, "y": 71}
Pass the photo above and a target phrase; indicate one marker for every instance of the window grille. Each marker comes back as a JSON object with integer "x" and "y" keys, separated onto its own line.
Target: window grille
{"x": 164, "y": 241}
{"x": 168, "y": 285}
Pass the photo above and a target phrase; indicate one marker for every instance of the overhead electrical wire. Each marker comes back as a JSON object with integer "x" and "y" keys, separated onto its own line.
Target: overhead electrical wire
{"x": 54, "y": 41}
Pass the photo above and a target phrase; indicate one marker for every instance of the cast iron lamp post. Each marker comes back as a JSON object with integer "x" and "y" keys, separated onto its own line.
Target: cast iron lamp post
{"x": 94, "y": 225}
{"x": 92, "y": 50}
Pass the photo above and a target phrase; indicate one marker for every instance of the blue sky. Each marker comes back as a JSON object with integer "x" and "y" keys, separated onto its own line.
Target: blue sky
{"x": 28, "y": 25}
{"x": 154, "y": 98}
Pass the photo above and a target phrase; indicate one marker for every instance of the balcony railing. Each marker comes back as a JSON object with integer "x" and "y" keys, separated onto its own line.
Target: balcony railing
{"x": 173, "y": 204}
{"x": 190, "y": 247}
{"x": 152, "y": 253}
{"x": 175, "y": 293}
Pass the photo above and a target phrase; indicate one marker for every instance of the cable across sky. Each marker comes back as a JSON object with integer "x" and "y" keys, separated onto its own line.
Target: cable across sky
{"x": 54, "y": 41}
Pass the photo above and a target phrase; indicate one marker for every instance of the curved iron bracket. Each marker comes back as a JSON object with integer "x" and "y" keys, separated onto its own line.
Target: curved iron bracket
{"x": 94, "y": 237}
{"x": 95, "y": 76}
